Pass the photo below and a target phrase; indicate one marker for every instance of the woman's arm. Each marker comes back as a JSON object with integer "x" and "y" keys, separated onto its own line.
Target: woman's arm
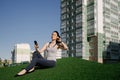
{"x": 61, "y": 44}
{"x": 64, "y": 46}
{"x": 42, "y": 49}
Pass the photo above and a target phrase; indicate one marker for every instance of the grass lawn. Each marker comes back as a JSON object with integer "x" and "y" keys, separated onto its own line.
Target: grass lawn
{"x": 67, "y": 69}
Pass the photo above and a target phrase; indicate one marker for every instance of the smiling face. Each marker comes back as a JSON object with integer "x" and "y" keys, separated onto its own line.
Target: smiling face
{"x": 54, "y": 36}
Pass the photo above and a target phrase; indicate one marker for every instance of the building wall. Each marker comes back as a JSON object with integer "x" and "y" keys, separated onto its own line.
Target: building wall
{"x": 73, "y": 30}
{"x": 21, "y": 53}
{"x": 89, "y": 26}
{"x": 111, "y": 28}
{"x": 102, "y": 19}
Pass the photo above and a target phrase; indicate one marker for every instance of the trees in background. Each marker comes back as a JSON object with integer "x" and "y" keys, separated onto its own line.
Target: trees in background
{"x": 4, "y": 63}
{"x": 1, "y": 64}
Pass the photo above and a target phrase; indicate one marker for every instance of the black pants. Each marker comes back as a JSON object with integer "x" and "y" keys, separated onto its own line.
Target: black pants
{"x": 38, "y": 60}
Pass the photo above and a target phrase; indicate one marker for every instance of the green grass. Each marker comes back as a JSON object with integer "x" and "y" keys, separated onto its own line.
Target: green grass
{"x": 67, "y": 69}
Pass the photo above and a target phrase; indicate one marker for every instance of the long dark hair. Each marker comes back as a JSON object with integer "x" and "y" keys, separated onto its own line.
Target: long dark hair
{"x": 57, "y": 33}
{"x": 60, "y": 46}
{"x": 57, "y": 42}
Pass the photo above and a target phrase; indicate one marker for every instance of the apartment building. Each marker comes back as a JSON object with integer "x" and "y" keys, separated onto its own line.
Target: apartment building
{"x": 91, "y": 29}
{"x": 73, "y": 30}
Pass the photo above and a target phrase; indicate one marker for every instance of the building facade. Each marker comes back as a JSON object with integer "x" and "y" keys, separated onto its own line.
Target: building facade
{"x": 21, "y": 53}
{"x": 73, "y": 30}
{"x": 91, "y": 28}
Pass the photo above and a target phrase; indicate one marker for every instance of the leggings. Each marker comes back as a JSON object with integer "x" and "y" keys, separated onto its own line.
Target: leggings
{"x": 38, "y": 60}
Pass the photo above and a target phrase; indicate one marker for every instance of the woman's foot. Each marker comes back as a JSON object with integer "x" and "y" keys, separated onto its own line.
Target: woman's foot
{"x": 23, "y": 72}
{"x": 31, "y": 70}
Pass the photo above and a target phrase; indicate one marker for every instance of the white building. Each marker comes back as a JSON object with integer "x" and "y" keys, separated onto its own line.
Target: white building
{"x": 21, "y": 53}
{"x": 103, "y": 29}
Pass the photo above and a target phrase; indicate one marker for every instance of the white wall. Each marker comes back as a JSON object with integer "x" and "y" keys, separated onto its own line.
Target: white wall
{"x": 22, "y": 52}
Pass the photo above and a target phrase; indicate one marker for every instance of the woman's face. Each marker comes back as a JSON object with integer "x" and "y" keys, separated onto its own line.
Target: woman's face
{"x": 54, "y": 36}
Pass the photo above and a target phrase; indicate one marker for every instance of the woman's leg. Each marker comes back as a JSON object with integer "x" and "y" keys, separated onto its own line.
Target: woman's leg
{"x": 30, "y": 67}
{"x": 37, "y": 55}
{"x": 32, "y": 64}
{"x": 41, "y": 63}
{"x": 46, "y": 63}
{"x": 35, "y": 59}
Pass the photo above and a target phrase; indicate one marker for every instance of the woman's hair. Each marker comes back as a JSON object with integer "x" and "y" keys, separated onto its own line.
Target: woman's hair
{"x": 57, "y": 33}
{"x": 58, "y": 42}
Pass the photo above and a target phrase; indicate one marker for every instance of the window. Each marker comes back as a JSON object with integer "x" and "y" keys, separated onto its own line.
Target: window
{"x": 63, "y": 10}
{"x": 78, "y": 2}
{"x": 78, "y": 46}
{"x": 90, "y": 8}
{"x": 79, "y": 9}
{"x": 63, "y": 23}
{"x": 63, "y": 16}
{"x": 90, "y": 16}
{"x": 90, "y": 23}
{"x": 63, "y": 4}
{"x": 79, "y": 24}
{"x": 78, "y": 39}
{"x": 79, "y": 18}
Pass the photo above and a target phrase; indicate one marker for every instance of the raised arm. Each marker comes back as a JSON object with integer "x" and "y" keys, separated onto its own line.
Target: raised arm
{"x": 61, "y": 44}
{"x": 65, "y": 47}
{"x": 42, "y": 49}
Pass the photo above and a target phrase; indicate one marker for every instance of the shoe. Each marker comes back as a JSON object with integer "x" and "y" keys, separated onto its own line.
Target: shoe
{"x": 31, "y": 70}
{"x": 17, "y": 75}
{"x": 20, "y": 73}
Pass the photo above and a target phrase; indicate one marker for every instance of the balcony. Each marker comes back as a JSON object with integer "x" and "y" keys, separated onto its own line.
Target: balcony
{"x": 90, "y": 2}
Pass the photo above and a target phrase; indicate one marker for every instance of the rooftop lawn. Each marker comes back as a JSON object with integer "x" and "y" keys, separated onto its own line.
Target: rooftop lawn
{"x": 66, "y": 69}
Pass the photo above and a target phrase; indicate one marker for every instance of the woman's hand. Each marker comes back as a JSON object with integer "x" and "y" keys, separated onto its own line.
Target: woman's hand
{"x": 36, "y": 46}
{"x": 59, "y": 39}
{"x": 61, "y": 44}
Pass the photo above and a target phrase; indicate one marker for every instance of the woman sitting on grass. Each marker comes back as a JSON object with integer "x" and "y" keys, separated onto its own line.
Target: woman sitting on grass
{"x": 51, "y": 48}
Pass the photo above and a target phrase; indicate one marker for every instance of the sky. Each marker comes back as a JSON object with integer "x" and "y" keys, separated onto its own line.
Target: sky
{"x": 23, "y": 21}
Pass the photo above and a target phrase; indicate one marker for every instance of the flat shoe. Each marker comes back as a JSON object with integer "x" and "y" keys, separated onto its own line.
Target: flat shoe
{"x": 31, "y": 71}
{"x": 17, "y": 75}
